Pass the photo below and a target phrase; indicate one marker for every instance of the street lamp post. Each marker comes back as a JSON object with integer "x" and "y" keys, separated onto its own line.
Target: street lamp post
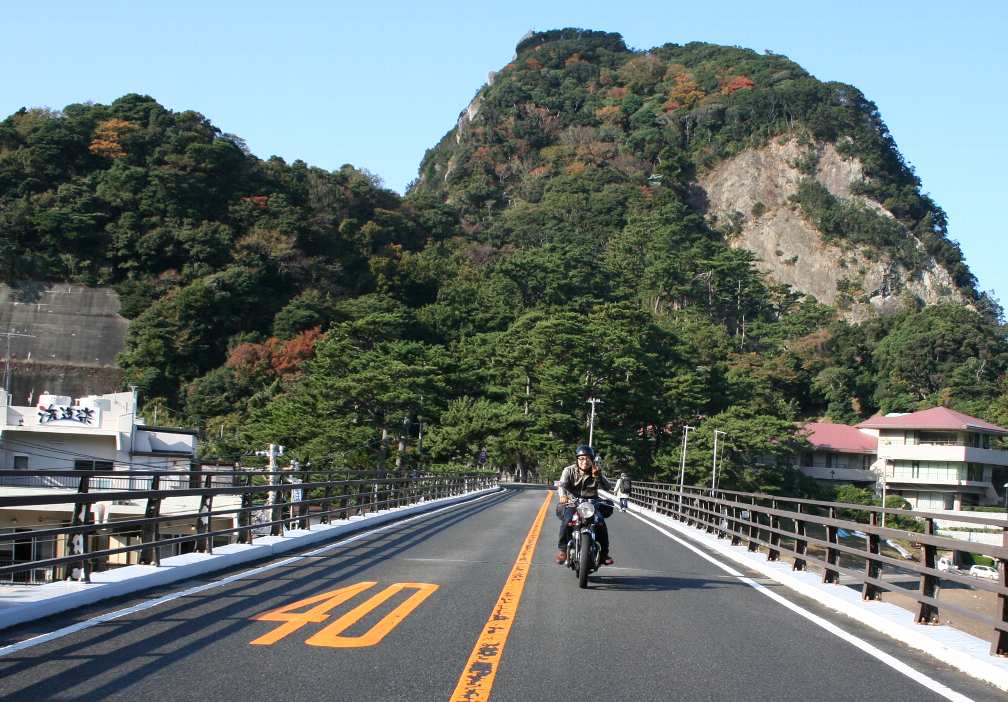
{"x": 591, "y": 422}
{"x": 713, "y": 484}
{"x": 883, "y": 497}
{"x": 682, "y": 463}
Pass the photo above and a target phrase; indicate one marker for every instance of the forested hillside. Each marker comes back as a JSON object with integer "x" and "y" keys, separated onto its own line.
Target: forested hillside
{"x": 551, "y": 251}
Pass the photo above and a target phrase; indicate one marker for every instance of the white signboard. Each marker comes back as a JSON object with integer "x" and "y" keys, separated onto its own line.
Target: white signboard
{"x": 58, "y": 411}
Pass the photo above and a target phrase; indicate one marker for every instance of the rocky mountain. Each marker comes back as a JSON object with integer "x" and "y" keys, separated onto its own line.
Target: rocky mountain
{"x": 754, "y": 194}
{"x": 802, "y": 173}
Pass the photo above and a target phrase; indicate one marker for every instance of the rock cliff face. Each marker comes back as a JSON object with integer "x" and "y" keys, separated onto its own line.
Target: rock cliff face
{"x": 747, "y": 196}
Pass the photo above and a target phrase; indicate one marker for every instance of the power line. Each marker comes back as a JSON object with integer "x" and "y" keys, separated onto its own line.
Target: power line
{"x": 66, "y": 453}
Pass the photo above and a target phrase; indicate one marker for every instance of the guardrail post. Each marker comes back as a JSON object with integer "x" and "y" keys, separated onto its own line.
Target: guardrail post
{"x": 326, "y": 501}
{"x": 151, "y": 533}
{"x": 929, "y": 584}
{"x": 204, "y": 544}
{"x": 801, "y": 545}
{"x": 831, "y": 575}
{"x": 773, "y": 553}
{"x": 753, "y": 527}
{"x": 870, "y": 591}
{"x": 734, "y": 524}
{"x": 304, "y": 519}
{"x": 999, "y": 642}
{"x": 77, "y": 542}
{"x": 246, "y": 536}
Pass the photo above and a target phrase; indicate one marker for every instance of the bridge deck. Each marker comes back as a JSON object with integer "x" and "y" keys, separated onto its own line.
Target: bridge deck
{"x": 663, "y": 624}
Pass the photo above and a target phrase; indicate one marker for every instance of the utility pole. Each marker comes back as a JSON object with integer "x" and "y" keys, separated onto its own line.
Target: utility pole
{"x": 591, "y": 422}
{"x": 7, "y": 370}
{"x": 682, "y": 463}
{"x": 528, "y": 391}
{"x": 276, "y": 513}
{"x": 402, "y": 446}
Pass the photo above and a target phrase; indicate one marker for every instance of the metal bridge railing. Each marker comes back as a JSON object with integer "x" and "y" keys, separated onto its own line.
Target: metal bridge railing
{"x": 807, "y": 532}
{"x": 90, "y": 528}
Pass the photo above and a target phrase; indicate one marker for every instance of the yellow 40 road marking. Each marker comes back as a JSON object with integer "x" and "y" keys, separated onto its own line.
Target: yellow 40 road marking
{"x": 330, "y": 636}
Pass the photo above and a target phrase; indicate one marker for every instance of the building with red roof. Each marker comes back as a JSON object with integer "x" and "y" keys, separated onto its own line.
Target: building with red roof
{"x": 939, "y": 459}
{"x": 839, "y": 452}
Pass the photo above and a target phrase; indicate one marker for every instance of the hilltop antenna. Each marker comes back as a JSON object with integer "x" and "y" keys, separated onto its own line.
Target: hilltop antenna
{"x": 7, "y": 370}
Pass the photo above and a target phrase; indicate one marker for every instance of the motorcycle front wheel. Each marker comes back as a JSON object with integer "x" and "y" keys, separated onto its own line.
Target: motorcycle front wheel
{"x": 584, "y": 562}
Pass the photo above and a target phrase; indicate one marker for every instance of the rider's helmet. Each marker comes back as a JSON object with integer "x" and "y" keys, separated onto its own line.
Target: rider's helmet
{"x": 585, "y": 450}
{"x": 624, "y": 476}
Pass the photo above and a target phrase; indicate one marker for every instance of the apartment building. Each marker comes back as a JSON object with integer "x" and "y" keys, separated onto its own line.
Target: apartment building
{"x": 939, "y": 459}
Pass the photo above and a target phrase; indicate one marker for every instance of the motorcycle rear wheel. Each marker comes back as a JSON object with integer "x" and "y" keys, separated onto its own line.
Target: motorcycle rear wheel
{"x": 584, "y": 561}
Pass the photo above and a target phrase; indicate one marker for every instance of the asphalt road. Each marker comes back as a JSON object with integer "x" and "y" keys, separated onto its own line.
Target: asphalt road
{"x": 663, "y": 624}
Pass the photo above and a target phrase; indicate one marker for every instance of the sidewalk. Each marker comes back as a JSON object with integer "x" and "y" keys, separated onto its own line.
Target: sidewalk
{"x": 23, "y": 603}
{"x": 951, "y": 646}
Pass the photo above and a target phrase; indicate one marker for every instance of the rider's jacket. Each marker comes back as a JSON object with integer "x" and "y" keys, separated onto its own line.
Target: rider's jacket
{"x": 576, "y": 483}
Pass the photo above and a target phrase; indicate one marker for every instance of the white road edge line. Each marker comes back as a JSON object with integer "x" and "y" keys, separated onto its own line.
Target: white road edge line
{"x": 897, "y": 665}
{"x": 109, "y": 616}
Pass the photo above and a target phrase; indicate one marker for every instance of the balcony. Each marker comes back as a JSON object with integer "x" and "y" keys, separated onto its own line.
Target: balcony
{"x": 951, "y": 453}
{"x": 847, "y": 475}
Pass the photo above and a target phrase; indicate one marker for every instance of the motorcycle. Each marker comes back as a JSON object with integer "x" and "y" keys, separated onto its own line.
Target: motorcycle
{"x": 584, "y": 554}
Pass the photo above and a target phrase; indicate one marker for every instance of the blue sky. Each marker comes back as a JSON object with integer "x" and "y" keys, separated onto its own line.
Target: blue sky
{"x": 376, "y": 84}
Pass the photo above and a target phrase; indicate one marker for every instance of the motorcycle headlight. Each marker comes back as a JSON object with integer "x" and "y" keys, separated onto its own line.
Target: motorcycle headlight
{"x": 586, "y": 510}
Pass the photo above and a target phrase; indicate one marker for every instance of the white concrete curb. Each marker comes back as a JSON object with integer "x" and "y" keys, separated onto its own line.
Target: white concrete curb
{"x": 23, "y": 604}
{"x": 951, "y": 646}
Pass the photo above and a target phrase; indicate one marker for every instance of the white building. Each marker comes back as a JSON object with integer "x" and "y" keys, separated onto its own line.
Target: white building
{"x": 939, "y": 459}
{"x": 99, "y": 432}
{"x": 94, "y": 433}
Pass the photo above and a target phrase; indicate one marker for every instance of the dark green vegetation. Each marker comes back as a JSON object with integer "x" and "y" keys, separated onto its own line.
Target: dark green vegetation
{"x": 547, "y": 256}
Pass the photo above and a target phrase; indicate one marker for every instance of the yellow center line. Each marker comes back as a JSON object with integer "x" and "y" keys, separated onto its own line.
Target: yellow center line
{"x": 477, "y": 677}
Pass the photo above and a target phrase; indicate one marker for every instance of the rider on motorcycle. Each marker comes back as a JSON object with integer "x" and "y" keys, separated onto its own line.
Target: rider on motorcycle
{"x": 581, "y": 479}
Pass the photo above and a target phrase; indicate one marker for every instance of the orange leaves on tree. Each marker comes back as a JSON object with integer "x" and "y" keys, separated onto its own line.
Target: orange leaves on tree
{"x": 249, "y": 360}
{"x": 618, "y": 93}
{"x": 684, "y": 93}
{"x": 288, "y": 357}
{"x": 730, "y": 84}
{"x": 576, "y": 168}
{"x": 574, "y": 59}
{"x": 260, "y": 201}
{"x": 534, "y": 64}
{"x": 611, "y": 114}
{"x": 273, "y": 356}
{"x": 106, "y": 138}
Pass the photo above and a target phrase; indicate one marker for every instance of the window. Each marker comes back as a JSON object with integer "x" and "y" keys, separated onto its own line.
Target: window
{"x": 807, "y": 458}
{"x": 939, "y": 438}
{"x": 829, "y": 460}
{"x": 986, "y": 441}
{"x": 915, "y": 469}
{"x": 20, "y": 462}
{"x": 92, "y": 465}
